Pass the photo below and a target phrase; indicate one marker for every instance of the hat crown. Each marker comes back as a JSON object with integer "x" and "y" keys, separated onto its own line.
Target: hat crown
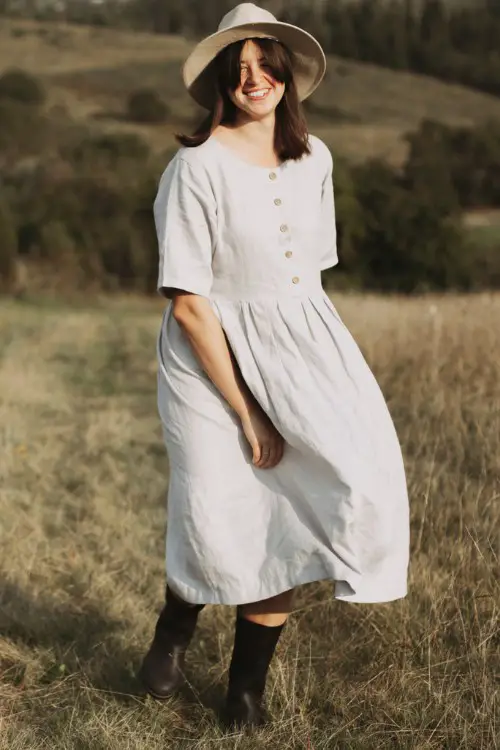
{"x": 245, "y": 13}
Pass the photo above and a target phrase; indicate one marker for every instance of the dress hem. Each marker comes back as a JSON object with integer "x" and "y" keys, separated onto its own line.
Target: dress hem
{"x": 392, "y": 594}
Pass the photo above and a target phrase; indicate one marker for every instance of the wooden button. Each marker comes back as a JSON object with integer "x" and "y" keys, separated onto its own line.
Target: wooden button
{"x": 295, "y": 279}
{"x": 277, "y": 201}
{"x": 284, "y": 228}
{"x": 272, "y": 175}
{"x": 288, "y": 254}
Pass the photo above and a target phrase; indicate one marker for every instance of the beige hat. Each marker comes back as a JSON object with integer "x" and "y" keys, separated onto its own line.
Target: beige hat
{"x": 244, "y": 21}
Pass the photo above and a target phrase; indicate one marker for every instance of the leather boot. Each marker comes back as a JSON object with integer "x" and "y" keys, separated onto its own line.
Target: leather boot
{"x": 162, "y": 670}
{"x": 253, "y": 650}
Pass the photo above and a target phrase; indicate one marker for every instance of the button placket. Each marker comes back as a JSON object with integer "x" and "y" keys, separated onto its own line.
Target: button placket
{"x": 284, "y": 228}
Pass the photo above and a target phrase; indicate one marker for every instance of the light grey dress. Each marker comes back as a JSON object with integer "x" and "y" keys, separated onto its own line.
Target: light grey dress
{"x": 254, "y": 241}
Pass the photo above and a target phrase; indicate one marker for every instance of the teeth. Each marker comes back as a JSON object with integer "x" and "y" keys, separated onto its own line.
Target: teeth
{"x": 258, "y": 94}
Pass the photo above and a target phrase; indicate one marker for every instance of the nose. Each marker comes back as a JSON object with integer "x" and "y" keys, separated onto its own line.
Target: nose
{"x": 253, "y": 75}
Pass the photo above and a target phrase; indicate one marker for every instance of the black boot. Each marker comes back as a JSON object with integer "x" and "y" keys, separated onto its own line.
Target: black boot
{"x": 254, "y": 647}
{"x": 162, "y": 670}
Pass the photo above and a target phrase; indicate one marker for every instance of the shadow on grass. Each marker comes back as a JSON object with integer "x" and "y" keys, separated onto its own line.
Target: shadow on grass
{"x": 79, "y": 638}
{"x": 79, "y": 635}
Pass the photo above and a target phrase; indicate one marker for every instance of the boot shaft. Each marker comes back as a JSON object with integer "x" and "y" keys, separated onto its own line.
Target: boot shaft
{"x": 177, "y": 620}
{"x": 254, "y": 647}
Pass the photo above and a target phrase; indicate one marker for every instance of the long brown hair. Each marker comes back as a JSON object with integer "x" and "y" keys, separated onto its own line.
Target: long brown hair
{"x": 290, "y": 134}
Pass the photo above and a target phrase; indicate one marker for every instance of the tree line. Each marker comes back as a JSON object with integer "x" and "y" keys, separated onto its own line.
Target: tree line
{"x": 76, "y": 206}
{"x": 458, "y": 42}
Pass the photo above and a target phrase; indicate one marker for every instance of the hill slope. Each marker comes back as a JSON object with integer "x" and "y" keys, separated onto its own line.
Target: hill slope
{"x": 360, "y": 110}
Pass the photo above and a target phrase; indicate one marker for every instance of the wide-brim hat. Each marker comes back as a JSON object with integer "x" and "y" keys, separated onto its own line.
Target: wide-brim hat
{"x": 244, "y": 22}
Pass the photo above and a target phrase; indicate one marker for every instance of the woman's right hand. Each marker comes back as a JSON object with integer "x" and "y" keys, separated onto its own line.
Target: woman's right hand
{"x": 266, "y": 442}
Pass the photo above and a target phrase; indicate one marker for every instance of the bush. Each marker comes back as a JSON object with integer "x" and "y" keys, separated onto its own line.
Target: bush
{"x": 94, "y": 230}
{"x": 404, "y": 240}
{"x": 23, "y": 130}
{"x": 21, "y": 87}
{"x": 8, "y": 248}
{"x": 145, "y": 106}
{"x": 56, "y": 243}
{"x": 18, "y": 32}
{"x": 108, "y": 150}
{"x": 458, "y": 164}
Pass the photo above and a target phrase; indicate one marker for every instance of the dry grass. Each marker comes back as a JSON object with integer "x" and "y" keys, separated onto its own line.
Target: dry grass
{"x": 485, "y": 217}
{"x": 83, "y": 476}
{"x": 360, "y": 110}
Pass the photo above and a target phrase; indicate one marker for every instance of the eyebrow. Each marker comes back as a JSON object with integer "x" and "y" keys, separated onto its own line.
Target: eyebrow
{"x": 261, "y": 59}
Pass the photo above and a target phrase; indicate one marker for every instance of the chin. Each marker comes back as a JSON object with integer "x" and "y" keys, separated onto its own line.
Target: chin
{"x": 260, "y": 113}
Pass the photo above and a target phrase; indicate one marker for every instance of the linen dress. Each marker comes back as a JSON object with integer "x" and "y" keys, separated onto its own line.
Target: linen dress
{"x": 254, "y": 242}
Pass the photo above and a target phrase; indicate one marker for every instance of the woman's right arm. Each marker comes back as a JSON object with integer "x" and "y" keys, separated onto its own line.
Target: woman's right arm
{"x": 185, "y": 213}
{"x": 205, "y": 334}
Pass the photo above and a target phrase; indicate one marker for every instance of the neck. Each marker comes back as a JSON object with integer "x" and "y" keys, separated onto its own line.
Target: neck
{"x": 258, "y": 131}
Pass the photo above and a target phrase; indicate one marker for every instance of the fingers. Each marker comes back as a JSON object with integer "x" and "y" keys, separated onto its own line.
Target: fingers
{"x": 257, "y": 452}
{"x": 266, "y": 452}
{"x": 271, "y": 453}
{"x": 266, "y": 457}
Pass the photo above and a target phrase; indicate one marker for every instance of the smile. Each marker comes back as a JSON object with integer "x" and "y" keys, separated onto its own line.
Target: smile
{"x": 258, "y": 95}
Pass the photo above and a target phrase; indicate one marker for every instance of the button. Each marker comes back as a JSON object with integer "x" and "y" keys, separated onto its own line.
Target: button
{"x": 284, "y": 228}
{"x": 288, "y": 254}
{"x": 272, "y": 175}
{"x": 295, "y": 279}
{"x": 277, "y": 201}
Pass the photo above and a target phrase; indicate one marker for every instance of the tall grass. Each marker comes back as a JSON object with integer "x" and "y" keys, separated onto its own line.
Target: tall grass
{"x": 83, "y": 476}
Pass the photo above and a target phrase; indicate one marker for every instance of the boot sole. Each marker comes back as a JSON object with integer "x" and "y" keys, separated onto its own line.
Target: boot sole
{"x": 238, "y": 721}
{"x": 159, "y": 696}
{"x": 231, "y": 724}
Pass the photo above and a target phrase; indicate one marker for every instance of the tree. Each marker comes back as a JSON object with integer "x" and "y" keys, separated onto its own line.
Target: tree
{"x": 8, "y": 248}
{"x": 407, "y": 245}
{"x": 428, "y": 169}
{"x": 146, "y": 106}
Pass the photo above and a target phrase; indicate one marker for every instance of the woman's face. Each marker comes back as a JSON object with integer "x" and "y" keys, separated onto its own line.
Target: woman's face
{"x": 259, "y": 93}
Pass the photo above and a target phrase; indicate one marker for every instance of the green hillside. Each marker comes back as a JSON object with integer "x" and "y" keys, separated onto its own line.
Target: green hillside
{"x": 360, "y": 110}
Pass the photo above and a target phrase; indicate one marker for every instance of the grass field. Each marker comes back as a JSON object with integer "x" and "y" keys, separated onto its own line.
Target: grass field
{"x": 482, "y": 230}
{"x": 83, "y": 477}
{"x": 360, "y": 110}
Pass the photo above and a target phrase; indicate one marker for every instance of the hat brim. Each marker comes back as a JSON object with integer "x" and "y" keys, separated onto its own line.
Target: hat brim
{"x": 310, "y": 59}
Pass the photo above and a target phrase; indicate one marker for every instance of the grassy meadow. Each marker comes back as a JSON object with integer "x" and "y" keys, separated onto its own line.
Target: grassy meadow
{"x": 360, "y": 110}
{"x": 83, "y": 477}
{"x": 83, "y": 472}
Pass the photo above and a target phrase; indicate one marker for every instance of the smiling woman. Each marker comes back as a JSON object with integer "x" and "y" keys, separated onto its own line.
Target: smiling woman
{"x": 285, "y": 464}
{"x": 261, "y": 80}
{"x": 254, "y": 78}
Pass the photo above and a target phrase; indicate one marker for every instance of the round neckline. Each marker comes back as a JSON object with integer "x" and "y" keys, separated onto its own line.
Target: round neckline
{"x": 238, "y": 158}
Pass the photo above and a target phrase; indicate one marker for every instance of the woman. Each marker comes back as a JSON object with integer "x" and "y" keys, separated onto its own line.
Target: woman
{"x": 285, "y": 465}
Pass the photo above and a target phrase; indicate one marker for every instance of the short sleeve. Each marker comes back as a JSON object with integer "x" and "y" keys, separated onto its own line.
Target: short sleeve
{"x": 329, "y": 255}
{"x": 185, "y": 220}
